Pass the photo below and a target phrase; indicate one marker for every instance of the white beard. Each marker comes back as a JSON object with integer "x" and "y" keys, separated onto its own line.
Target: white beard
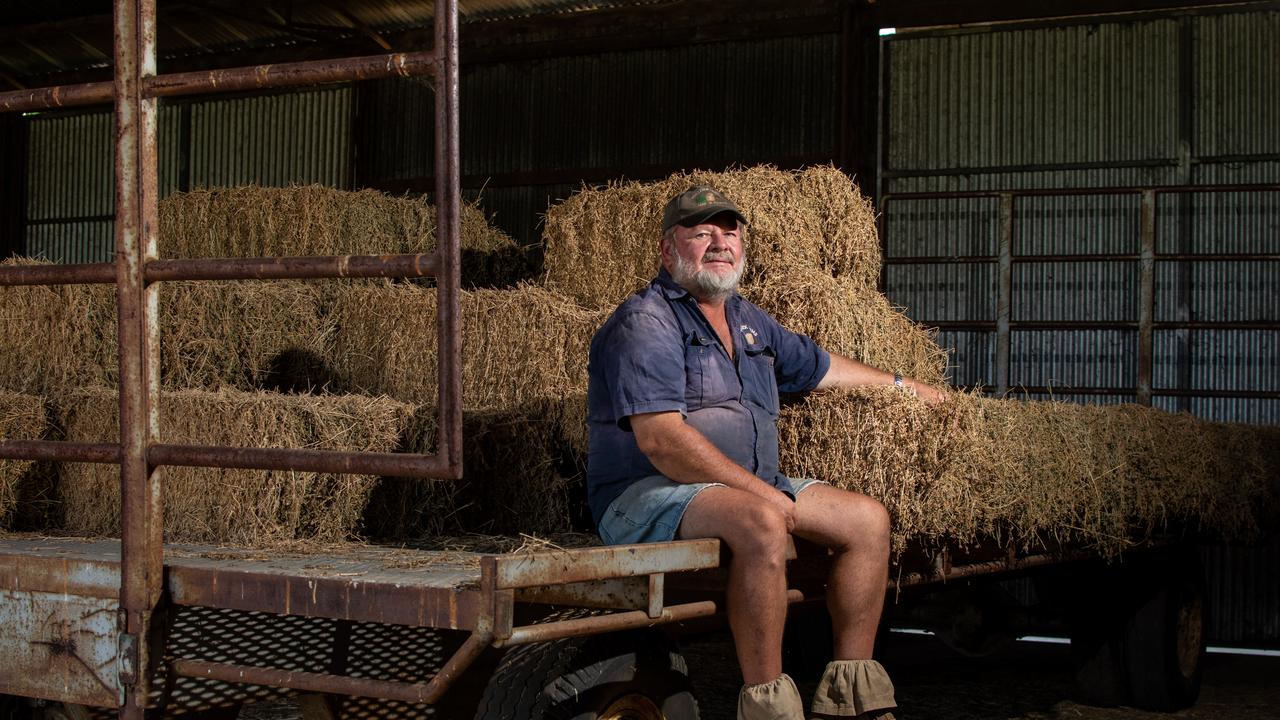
{"x": 705, "y": 284}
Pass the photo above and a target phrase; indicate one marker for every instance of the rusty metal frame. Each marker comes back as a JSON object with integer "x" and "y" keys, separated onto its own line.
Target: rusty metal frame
{"x": 1146, "y": 259}
{"x": 137, "y": 270}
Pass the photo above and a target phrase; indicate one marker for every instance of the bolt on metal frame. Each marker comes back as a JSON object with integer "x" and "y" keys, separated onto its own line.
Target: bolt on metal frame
{"x": 137, "y": 269}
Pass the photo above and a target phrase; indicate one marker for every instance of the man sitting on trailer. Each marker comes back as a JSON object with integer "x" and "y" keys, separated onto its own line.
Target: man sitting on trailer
{"x": 682, "y": 410}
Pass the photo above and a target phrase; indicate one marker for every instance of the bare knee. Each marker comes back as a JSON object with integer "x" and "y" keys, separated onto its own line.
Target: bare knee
{"x": 759, "y": 536}
{"x": 869, "y": 525}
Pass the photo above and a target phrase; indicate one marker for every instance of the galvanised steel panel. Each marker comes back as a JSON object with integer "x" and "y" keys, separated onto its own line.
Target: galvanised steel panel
{"x": 1078, "y": 399}
{"x": 947, "y": 291}
{"x": 1072, "y": 224}
{"x": 279, "y": 139}
{"x": 772, "y": 99}
{"x": 70, "y": 166}
{"x": 1218, "y": 291}
{"x": 1243, "y": 590}
{"x": 1073, "y": 358}
{"x": 1078, "y": 291}
{"x": 72, "y": 242}
{"x": 1251, "y": 411}
{"x": 1234, "y": 173}
{"x": 942, "y": 228}
{"x": 1052, "y": 179}
{"x": 1223, "y": 222}
{"x": 1237, "y": 83}
{"x": 1079, "y": 93}
{"x": 1220, "y": 360}
{"x": 972, "y": 356}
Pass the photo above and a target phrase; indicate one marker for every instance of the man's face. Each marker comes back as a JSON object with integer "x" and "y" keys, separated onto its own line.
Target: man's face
{"x": 706, "y": 259}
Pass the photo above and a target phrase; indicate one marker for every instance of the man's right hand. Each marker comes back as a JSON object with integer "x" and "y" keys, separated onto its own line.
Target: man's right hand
{"x": 783, "y": 503}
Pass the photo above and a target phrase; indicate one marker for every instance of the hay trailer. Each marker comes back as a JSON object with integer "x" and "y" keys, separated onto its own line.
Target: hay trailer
{"x": 135, "y": 628}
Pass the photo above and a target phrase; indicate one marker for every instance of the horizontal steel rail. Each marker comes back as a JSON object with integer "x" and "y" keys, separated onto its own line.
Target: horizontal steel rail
{"x": 1050, "y": 192}
{"x": 293, "y": 268}
{"x": 1080, "y": 257}
{"x": 1104, "y": 324}
{"x": 50, "y": 450}
{"x": 302, "y": 460}
{"x": 257, "y": 77}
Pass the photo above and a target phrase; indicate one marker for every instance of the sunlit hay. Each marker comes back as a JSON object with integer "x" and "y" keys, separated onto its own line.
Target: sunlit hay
{"x": 602, "y": 244}
{"x": 22, "y": 417}
{"x": 254, "y": 221}
{"x": 518, "y": 344}
{"x": 53, "y": 335}
{"x": 511, "y": 482}
{"x": 1031, "y": 475}
{"x": 853, "y": 321}
{"x": 234, "y": 506}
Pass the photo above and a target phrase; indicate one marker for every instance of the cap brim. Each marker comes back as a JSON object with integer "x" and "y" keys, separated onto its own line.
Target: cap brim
{"x": 705, "y": 215}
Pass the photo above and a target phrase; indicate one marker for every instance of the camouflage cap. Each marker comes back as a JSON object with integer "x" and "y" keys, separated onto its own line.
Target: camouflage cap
{"x": 696, "y": 205}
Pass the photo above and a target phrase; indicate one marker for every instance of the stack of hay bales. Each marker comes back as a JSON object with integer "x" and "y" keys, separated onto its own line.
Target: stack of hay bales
{"x": 973, "y": 470}
{"x": 222, "y": 343}
{"x": 22, "y": 417}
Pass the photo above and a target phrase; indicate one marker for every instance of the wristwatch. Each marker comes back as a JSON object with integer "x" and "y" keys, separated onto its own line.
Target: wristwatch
{"x": 897, "y": 379}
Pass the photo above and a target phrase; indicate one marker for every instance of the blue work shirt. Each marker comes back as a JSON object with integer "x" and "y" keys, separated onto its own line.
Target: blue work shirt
{"x": 658, "y": 353}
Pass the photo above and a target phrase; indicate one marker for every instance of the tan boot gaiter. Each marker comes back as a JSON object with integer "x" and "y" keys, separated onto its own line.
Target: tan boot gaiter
{"x": 777, "y": 700}
{"x": 852, "y": 687}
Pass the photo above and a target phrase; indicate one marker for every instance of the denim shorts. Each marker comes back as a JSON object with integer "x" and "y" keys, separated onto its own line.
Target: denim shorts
{"x": 650, "y": 509}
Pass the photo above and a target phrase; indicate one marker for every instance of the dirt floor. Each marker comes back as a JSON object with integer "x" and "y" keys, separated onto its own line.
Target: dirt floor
{"x": 1021, "y": 681}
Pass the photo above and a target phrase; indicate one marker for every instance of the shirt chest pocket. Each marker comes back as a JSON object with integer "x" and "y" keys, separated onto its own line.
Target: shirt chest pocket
{"x": 759, "y": 384}
{"x": 705, "y": 367}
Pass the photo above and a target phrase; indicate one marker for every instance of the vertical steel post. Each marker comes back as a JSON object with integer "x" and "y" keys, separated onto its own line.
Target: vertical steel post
{"x": 1147, "y": 296}
{"x": 140, "y": 508}
{"x": 1004, "y": 295}
{"x": 447, "y": 233}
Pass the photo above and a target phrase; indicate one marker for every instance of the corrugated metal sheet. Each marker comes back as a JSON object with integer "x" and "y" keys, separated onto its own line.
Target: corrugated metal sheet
{"x": 71, "y": 168}
{"x": 942, "y": 228}
{"x": 944, "y": 291}
{"x": 1243, "y": 592}
{"x": 972, "y": 356}
{"x": 1237, "y": 83}
{"x": 289, "y": 138}
{"x": 1053, "y": 291}
{"x": 700, "y": 105}
{"x": 1253, "y": 411}
{"x": 1220, "y": 360}
{"x": 1071, "y": 224}
{"x": 983, "y": 179}
{"x": 74, "y": 242}
{"x": 1073, "y": 358}
{"x": 1218, "y": 291}
{"x": 1225, "y": 222}
{"x": 1085, "y": 93}
{"x": 1067, "y": 397}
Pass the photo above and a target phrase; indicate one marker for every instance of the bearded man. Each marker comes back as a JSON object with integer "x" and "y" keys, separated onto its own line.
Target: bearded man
{"x": 682, "y": 410}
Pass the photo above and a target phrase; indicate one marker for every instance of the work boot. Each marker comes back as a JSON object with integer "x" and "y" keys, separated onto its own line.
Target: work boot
{"x": 777, "y": 700}
{"x": 854, "y": 688}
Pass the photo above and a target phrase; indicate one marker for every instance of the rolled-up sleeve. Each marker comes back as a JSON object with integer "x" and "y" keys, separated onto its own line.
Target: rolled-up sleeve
{"x": 642, "y": 362}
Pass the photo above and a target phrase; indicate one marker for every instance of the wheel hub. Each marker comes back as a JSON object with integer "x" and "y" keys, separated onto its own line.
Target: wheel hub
{"x": 632, "y": 707}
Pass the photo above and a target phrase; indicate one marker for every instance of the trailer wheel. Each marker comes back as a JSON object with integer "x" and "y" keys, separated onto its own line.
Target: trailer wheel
{"x": 625, "y": 676}
{"x": 1164, "y": 640}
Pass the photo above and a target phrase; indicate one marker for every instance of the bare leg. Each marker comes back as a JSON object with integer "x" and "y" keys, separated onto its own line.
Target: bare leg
{"x": 756, "y": 534}
{"x": 856, "y": 528}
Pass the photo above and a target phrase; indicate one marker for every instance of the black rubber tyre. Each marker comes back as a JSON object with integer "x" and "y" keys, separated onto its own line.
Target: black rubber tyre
{"x": 624, "y": 676}
{"x": 1164, "y": 640}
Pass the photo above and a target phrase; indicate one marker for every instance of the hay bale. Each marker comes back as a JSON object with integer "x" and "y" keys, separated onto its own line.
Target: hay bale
{"x": 602, "y": 244}
{"x": 54, "y": 335}
{"x": 254, "y": 221}
{"x": 234, "y": 506}
{"x": 518, "y": 345}
{"x": 22, "y": 417}
{"x": 854, "y": 321}
{"x": 516, "y": 479}
{"x": 1030, "y": 474}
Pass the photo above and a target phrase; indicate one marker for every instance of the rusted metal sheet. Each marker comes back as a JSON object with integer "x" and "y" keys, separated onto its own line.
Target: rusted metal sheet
{"x": 565, "y": 566}
{"x": 359, "y": 596}
{"x": 58, "y": 647}
{"x": 629, "y": 593}
{"x": 66, "y": 567}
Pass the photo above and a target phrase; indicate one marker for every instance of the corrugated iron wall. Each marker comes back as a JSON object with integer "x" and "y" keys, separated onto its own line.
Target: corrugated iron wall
{"x": 1179, "y": 100}
{"x": 266, "y": 139}
{"x": 528, "y": 125}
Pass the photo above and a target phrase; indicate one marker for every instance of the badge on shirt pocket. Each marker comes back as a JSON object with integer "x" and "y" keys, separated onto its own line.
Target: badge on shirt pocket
{"x": 749, "y": 335}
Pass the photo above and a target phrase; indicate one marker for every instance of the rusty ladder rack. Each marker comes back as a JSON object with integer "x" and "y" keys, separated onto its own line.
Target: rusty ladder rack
{"x": 137, "y": 269}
